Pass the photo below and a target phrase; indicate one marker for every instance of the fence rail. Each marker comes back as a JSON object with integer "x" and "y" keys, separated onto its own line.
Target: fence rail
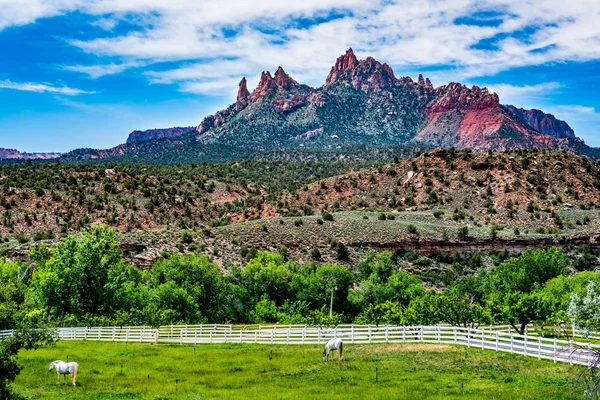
{"x": 488, "y": 338}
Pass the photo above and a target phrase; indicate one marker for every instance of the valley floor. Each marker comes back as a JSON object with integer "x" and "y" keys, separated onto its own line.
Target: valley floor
{"x": 233, "y": 371}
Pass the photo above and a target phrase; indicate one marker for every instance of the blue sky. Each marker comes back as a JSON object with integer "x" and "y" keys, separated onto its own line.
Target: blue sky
{"x": 77, "y": 73}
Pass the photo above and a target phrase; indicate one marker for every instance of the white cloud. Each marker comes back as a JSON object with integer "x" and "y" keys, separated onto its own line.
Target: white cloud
{"x": 512, "y": 94}
{"x": 243, "y": 38}
{"x": 99, "y": 70}
{"x": 42, "y": 88}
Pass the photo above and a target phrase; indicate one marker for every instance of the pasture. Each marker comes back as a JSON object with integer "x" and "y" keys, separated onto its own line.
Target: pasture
{"x": 233, "y": 371}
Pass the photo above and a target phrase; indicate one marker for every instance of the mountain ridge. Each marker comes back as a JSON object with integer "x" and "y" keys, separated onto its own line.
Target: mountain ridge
{"x": 361, "y": 103}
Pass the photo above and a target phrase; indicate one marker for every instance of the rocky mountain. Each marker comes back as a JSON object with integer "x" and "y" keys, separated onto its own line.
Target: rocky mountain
{"x": 542, "y": 122}
{"x": 149, "y": 134}
{"x": 12, "y": 154}
{"x": 361, "y": 105}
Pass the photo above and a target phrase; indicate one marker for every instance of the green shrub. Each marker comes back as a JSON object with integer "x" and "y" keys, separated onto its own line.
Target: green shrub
{"x": 327, "y": 216}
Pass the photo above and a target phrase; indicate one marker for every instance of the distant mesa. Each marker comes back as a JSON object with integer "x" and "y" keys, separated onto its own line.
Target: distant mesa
{"x": 149, "y": 134}
{"x": 12, "y": 154}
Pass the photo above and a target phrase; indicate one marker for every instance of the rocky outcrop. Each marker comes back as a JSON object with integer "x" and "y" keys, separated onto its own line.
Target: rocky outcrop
{"x": 242, "y": 96}
{"x": 542, "y": 122}
{"x": 286, "y": 105}
{"x": 12, "y": 154}
{"x": 308, "y": 135}
{"x": 284, "y": 81}
{"x": 137, "y": 136}
{"x": 455, "y": 96}
{"x": 344, "y": 63}
{"x": 266, "y": 86}
{"x": 368, "y": 75}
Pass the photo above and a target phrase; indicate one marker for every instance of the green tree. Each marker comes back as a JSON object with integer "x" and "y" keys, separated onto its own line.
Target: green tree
{"x": 459, "y": 310}
{"x": 520, "y": 309}
{"x": 526, "y": 273}
{"x": 72, "y": 282}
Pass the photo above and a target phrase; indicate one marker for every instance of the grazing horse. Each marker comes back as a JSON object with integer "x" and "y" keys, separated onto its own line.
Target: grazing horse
{"x": 333, "y": 344}
{"x": 64, "y": 368}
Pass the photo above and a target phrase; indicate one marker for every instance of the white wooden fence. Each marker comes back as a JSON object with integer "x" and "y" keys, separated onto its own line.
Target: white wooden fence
{"x": 557, "y": 350}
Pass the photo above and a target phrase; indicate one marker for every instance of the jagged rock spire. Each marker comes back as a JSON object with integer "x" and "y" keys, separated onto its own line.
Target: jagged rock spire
{"x": 242, "y": 96}
{"x": 428, "y": 84}
{"x": 284, "y": 80}
{"x": 421, "y": 81}
{"x": 343, "y": 63}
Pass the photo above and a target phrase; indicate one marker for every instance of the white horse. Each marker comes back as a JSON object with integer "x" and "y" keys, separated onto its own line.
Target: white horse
{"x": 334, "y": 344}
{"x": 64, "y": 368}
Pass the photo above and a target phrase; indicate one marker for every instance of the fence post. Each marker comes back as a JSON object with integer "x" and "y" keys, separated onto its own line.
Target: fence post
{"x": 288, "y": 336}
{"x": 469, "y": 337}
{"x": 403, "y": 334}
{"x": 511, "y": 342}
{"x": 497, "y": 341}
{"x": 571, "y": 352}
{"x": 439, "y": 333}
{"x": 454, "y": 332}
{"x": 539, "y": 347}
{"x": 352, "y": 333}
{"x": 482, "y": 339}
{"x": 554, "y": 351}
{"x": 525, "y": 345}
{"x": 422, "y": 334}
{"x": 387, "y": 333}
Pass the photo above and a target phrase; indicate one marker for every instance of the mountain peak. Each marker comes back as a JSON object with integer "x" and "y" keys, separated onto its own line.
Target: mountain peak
{"x": 265, "y": 86}
{"x": 342, "y": 64}
{"x": 283, "y": 80}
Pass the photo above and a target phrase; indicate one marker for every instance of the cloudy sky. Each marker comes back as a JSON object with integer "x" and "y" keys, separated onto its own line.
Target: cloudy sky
{"x": 84, "y": 73}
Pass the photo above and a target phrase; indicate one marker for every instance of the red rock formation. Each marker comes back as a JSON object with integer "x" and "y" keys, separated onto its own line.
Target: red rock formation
{"x": 242, "y": 96}
{"x": 343, "y": 63}
{"x": 366, "y": 75}
{"x": 428, "y": 84}
{"x": 285, "y": 105}
{"x": 266, "y": 85}
{"x": 284, "y": 81}
{"x": 458, "y": 97}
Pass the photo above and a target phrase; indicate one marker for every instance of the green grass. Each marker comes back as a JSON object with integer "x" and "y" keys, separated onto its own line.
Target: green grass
{"x": 234, "y": 371}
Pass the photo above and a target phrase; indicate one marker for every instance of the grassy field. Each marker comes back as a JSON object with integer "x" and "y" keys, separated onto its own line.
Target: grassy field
{"x": 233, "y": 371}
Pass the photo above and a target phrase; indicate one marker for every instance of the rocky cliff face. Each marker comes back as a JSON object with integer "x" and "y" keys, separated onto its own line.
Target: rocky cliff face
{"x": 542, "y": 122}
{"x": 12, "y": 154}
{"x": 137, "y": 136}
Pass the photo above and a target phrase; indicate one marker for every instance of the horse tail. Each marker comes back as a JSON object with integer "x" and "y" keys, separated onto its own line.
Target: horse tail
{"x": 75, "y": 365}
{"x": 341, "y": 350}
